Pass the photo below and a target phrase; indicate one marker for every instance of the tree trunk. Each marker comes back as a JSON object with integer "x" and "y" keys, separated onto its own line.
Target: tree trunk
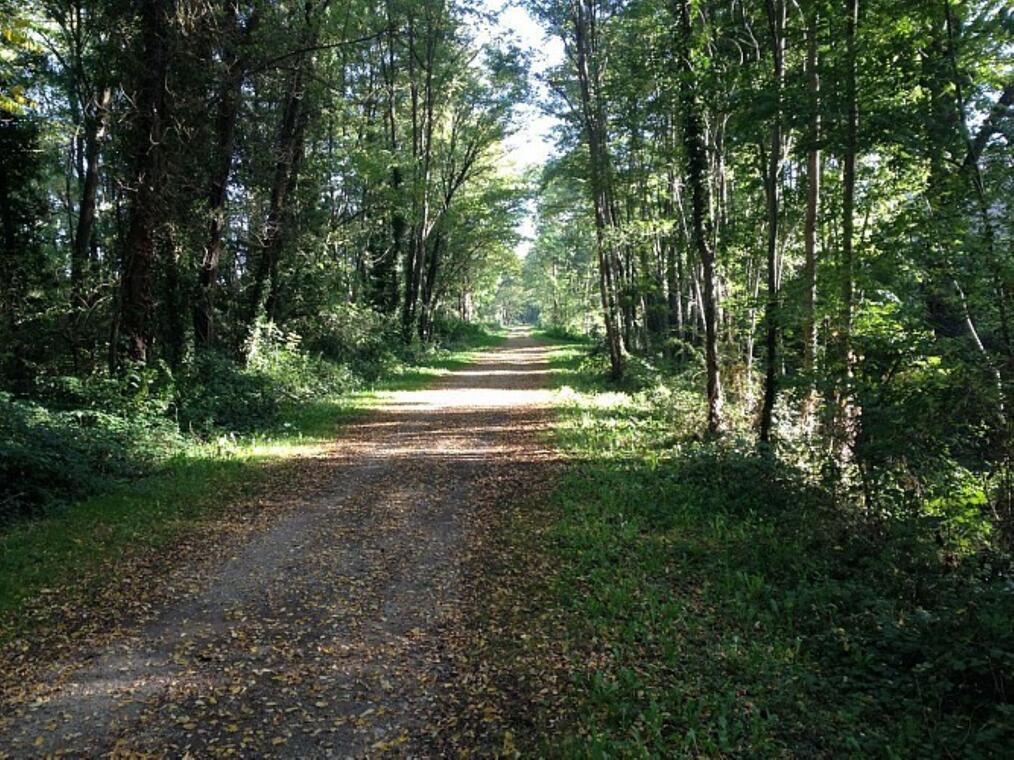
{"x": 583, "y": 18}
{"x": 701, "y": 232}
{"x": 95, "y": 123}
{"x": 174, "y": 307}
{"x": 813, "y": 171}
{"x": 384, "y": 272}
{"x": 845, "y": 424}
{"x": 776, "y": 23}
{"x": 136, "y": 299}
{"x": 289, "y": 150}
{"x": 422, "y": 128}
{"x": 673, "y": 267}
{"x": 429, "y": 286}
{"x": 230, "y": 93}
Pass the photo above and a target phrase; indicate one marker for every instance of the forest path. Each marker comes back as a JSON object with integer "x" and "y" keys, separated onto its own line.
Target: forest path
{"x": 334, "y": 630}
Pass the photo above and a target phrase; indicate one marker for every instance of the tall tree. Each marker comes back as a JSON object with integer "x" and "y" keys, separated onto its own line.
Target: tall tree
{"x": 813, "y": 181}
{"x": 696, "y": 168}
{"x": 152, "y": 59}
{"x": 776, "y": 13}
{"x": 846, "y": 413}
{"x": 235, "y": 35}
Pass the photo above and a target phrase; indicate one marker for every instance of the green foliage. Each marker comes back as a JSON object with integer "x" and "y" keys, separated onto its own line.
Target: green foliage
{"x": 51, "y": 457}
{"x": 356, "y": 336}
{"x": 294, "y": 374}
{"x": 218, "y": 394}
{"x": 720, "y": 602}
{"x": 15, "y": 42}
{"x": 455, "y": 333}
{"x": 85, "y": 433}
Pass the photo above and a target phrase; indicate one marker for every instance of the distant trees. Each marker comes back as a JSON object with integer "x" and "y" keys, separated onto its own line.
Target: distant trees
{"x": 561, "y": 271}
{"x": 178, "y": 171}
{"x": 796, "y": 186}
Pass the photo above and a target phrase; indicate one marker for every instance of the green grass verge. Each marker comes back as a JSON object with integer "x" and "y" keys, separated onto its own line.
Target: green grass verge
{"x": 58, "y": 550}
{"x": 716, "y": 604}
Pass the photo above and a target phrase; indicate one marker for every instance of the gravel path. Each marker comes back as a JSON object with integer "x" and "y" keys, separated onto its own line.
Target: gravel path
{"x": 334, "y": 629}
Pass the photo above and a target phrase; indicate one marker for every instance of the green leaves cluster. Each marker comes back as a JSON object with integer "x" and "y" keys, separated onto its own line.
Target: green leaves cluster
{"x": 890, "y": 366}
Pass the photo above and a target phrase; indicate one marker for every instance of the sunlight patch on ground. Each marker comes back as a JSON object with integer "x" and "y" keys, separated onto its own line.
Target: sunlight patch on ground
{"x": 468, "y": 398}
{"x": 504, "y": 373}
{"x": 604, "y": 400}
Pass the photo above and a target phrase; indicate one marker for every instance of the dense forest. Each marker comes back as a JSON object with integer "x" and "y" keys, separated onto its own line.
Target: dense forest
{"x": 770, "y": 258}
{"x": 789, "y": 227}
{"x": 807, "y": 205}
{"x": 196, "y": 193}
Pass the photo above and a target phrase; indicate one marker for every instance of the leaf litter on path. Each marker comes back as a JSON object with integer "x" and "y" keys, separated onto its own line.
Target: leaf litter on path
{"x": 343, "y": 612}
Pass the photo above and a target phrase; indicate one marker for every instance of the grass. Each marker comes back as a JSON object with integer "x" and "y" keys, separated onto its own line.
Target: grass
{"x": 715, "y": 603}
{"x": 415, "y": 376}
{"x": 59, "y": 551}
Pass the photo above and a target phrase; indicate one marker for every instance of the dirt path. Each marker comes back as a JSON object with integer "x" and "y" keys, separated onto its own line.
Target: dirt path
{"x": 333, "y": 630}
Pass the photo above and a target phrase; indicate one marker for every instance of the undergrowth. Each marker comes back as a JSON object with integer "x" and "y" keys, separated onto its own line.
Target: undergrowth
{"x": 108, "y": 466}
{"x": 719, "y": 601}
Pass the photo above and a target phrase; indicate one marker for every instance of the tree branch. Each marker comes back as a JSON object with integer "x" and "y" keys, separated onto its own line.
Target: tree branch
{"x": 999, "y": 112}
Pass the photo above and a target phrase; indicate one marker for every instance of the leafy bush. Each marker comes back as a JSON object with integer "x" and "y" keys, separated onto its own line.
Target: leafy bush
{"x": 93, "y": 430}
{"x": 453, "y": 333}
{"x": 217, "y": 392}
{"x": 147, "y": 391}
{"x": 560, "y": 332}
{"x": 294, "y": 374}
{"x": 51, "y": 456}
{"x": 352, "y": 335}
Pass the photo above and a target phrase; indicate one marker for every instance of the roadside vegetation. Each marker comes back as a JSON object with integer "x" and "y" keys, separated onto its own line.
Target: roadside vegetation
{"x": 784, "y": 231}
{"x": 125, "y": 466}
{"x": 708, "y": 599}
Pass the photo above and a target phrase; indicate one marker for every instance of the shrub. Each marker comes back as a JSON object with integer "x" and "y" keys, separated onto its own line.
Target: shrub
{"x": 147, "y": 391}
{"x": 52, "y": 456}
{"x": 354, "y": 336}
{"x": 454, "y": 333}
{"x": 563, "y": 332}
{"x": 217, "y": 392}
{"x": 294, "y": 374}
